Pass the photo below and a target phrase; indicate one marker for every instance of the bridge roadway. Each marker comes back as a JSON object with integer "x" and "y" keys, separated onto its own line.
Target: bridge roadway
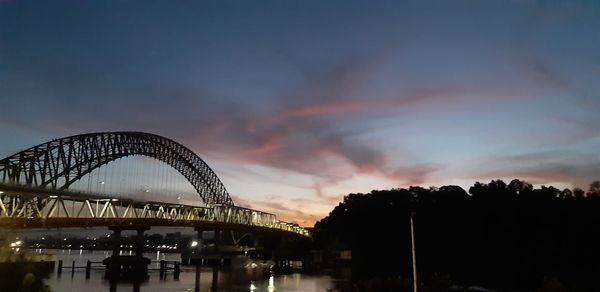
{"x": 29, "y": 207}
{"x": 132, "y": 223}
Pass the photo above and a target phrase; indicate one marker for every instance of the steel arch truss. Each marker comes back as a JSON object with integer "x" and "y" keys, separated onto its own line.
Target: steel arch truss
{"x": 59, "y": 163}
{"x": 74, "y": 206}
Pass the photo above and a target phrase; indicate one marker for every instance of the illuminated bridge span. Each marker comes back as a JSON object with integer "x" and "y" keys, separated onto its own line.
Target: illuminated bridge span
{"x": 34, "y": 188}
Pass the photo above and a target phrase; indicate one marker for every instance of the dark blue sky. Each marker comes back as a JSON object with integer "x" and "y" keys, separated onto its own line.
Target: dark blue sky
{"x": 299, "y": 102}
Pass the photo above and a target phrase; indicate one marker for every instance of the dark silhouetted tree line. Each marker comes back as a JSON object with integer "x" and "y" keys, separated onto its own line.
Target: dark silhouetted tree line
{"x": 503, "y": 236}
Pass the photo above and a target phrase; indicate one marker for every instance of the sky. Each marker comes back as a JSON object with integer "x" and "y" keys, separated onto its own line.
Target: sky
{"x": 295, "y": 104}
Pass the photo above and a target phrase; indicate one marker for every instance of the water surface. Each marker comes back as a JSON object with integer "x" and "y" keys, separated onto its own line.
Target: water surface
{"x": 241, "y": 276}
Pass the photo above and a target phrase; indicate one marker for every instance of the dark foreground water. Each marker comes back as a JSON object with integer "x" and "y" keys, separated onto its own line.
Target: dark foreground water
{"x": 243, "y": 275}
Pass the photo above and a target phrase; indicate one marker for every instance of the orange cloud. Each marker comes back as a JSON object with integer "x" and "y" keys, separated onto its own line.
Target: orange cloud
{"x": 270, "y": 145}
{"x": 283, "y": 212}
{"x": 328, "y": 108}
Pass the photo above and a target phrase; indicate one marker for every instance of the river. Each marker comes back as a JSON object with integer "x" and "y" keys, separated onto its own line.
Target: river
{"x": 241, "y": 276}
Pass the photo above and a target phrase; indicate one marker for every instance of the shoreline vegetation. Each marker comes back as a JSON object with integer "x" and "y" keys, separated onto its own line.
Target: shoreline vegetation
{"x": 21, "y": 272}
{"x": 501, "y": 236}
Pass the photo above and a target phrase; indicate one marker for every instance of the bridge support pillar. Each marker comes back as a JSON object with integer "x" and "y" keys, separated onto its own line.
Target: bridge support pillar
{"x": 88, "y": 269}
{"x": 217, "y": 239}
{"x": 200, "y": 239}
{"x": 116, "y": 238}
{"x": 176, "y": 271}
{"x": 131, "y": 268}
{"x": 139, "y": 250}
{"x": 195, "y": 255}
{"x": 215, "y": 278}
{"x": 197, "y": 282}
{"x": 59, "y": 269}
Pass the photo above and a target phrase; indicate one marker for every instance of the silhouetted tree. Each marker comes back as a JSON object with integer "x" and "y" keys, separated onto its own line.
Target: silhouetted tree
{"x": 578, "y": 193}
{"x": 519, "y": 187}
{"x": 566, "y": 193}
{"x": 507, "y": 237}
{"x": 19, "y": 273}
{"x": 594, "y": 190}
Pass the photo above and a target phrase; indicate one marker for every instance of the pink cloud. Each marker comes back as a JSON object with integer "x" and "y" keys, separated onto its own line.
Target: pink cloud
{"x": 329, "y": 108}
{"x": 274, "y": 205}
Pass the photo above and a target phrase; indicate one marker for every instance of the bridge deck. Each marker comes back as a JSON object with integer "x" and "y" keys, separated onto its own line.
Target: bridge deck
{"x": 25, "y": 207}
{"x": 32, "y": 223}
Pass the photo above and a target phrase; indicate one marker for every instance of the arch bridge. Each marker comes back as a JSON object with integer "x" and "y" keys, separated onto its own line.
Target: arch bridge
{"x": 34, "y": 188}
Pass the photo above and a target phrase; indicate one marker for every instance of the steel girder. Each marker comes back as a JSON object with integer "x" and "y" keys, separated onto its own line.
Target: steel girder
{"x": 59, "y": 163}
{"x": 72, "y": 206}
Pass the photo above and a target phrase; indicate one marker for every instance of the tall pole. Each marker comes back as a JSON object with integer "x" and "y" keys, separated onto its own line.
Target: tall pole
{"x": 414, "y": 255}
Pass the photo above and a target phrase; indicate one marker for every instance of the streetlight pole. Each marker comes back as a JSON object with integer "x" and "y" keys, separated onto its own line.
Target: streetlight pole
{"x": 414, "y": 256}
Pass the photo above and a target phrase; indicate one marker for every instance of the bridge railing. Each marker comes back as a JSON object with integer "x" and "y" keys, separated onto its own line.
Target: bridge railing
{"x": 51, "y": 204}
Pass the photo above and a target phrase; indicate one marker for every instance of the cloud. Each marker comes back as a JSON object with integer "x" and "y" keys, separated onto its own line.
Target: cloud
{"x": 542, "y": 74}
{"x": 414, "y": 175}
{"x": 278, "y": 206}
{"x": 305, "y": 130}
{"x": 316, "y": 129}
{"x": 318, "y": 190}
{"x": 331, "y": 108}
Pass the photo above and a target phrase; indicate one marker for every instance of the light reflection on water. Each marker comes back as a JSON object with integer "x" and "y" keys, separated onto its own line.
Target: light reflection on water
{"x": 231, "y": 279}
{"x": 271, "y": 284}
